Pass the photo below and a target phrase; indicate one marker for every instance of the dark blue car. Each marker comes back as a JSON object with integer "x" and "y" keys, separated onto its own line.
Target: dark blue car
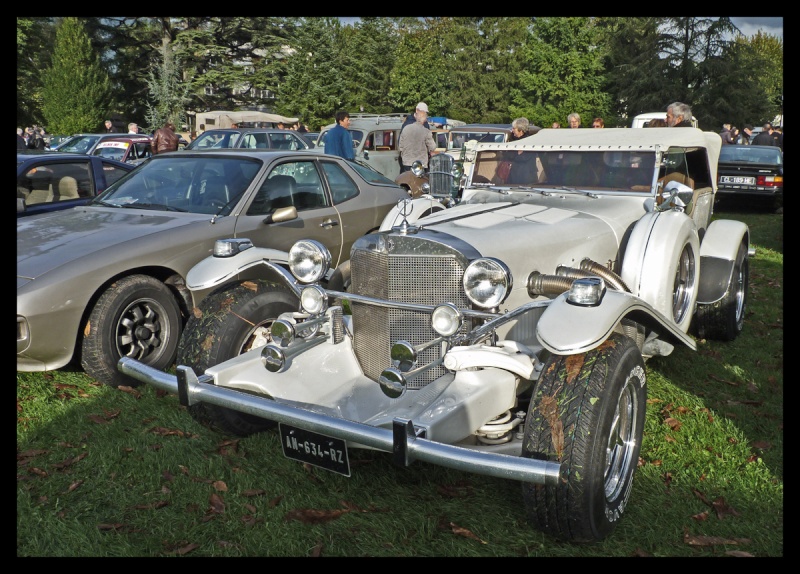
{"x": 50, "y": 181}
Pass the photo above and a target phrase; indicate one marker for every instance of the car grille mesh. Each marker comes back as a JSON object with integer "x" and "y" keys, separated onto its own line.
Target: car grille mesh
{"x": 408, "y": 278}
{"x": 439, "y": 174}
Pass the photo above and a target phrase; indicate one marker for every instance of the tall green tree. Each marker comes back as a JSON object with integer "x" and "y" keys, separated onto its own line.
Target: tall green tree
{"x": 418, "y": 74}
{"x": 35, "y": 37}
{"x": 634, "y": 71}
{"x": 695, "y": 51}
{"x": 76, "y": 92}
{"x": 563, "y": 72}
{"x": 169, "y": 95}
{"x": 315, "y": 85}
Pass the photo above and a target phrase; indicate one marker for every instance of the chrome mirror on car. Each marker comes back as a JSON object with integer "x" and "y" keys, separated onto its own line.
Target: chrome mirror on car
{"x": 676, "y": 196}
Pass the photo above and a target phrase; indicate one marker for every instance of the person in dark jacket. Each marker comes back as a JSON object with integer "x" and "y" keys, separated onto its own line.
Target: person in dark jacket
{"x": 35, "y": 139}
{"x": 765, "y": 136}
{"x": 165, "y": 139}
{"x": 21, "y": 143}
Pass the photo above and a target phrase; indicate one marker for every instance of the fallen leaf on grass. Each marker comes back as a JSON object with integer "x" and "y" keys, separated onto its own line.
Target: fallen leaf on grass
{"x": 254, "y": 492}
{"x": 459, "y": 490}
{"x": 312, "y": 516}
{"x": 459, "y": 531}
{"x": 738, "y": 554}
{"x": 220, "y": 486}
{"x": 711, "y": 540}
{"x": 74, "y": 485}
{"x": 186, "y": 549}
{"x": 672, "y": 423}
{"x": 716, "y": 378}
{"x": 153, "y": 505}
{"x": 162, "y": 431}
{"x": 701, "y": 517}
{"x": 70, "y": 461}
{"x": 130, "y": 390}
{"x": 316, "y": 552}
{"x": 31, "y": 453}
{"x": 217, "y": 503}
{"x": 723, "y": 509}
{"x": 97, "y": 419}
{"x": 761, "y": 444}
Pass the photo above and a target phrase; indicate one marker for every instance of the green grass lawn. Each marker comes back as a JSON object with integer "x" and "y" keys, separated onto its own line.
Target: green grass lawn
{"x": 110, "y": 472}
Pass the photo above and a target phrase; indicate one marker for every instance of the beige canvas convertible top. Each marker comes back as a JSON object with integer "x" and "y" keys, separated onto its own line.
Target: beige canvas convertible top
{"x": 622, "y": 139}
{"x": 224, "y": 119}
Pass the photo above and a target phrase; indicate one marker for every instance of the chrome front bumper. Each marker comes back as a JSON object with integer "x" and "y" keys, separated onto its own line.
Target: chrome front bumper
{"x": 402, "y": 440}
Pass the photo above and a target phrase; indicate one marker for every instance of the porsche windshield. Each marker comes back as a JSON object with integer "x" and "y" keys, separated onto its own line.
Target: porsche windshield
{"x": 179, "y": 183}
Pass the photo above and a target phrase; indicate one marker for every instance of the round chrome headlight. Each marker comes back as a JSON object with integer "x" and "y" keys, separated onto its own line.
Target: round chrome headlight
{"x": 446, "y": 319}
{"x": 457, "y": 170}
{"x": 313, "y": 300}
{"x": 309, "y": 260}
{"x": 487, "y": 282}
{"x": 417, "y": 168}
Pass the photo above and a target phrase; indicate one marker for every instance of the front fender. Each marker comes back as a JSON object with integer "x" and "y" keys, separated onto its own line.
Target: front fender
{"x": 653, "y": 256}
{"x": 718, "y": 253}
{"x": 567, "y": 329}
{"x": 213, "y": 271}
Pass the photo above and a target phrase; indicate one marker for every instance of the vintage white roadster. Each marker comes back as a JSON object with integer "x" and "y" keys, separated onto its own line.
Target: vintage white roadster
{"x": 504, "y": 336}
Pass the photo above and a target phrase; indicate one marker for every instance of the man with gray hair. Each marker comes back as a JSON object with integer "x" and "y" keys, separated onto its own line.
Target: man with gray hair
{"x": 679, "y": 115}
{"x": 574, "y": 120}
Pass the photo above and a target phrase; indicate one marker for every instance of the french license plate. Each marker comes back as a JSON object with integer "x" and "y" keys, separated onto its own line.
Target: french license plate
{"x": 735, "y": 179}
{"x": 314, "y": 448}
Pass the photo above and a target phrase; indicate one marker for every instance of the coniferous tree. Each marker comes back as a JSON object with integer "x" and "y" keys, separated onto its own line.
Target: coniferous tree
{"x": 76, "y": 92}
{"x": 168, "y": 93}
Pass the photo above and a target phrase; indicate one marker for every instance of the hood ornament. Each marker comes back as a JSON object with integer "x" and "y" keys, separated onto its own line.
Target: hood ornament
{"x": 406, "y": 208}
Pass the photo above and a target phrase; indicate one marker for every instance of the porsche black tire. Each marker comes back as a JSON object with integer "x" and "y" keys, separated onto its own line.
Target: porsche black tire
{"x": 724, "y": 319}
{"x": 229, "y": 322}
{"x": 596, "y": 402}
{"x": 137, "y": 317}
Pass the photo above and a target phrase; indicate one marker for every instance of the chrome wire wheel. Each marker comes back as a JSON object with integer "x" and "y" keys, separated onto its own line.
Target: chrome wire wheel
{"x": 622, "y": 441}
{"x": 683, "y": 289}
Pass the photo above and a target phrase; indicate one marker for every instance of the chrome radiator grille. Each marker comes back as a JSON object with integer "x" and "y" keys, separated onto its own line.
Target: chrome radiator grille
{"x": 439, "y": 174}
{"x": 429, "y": 279}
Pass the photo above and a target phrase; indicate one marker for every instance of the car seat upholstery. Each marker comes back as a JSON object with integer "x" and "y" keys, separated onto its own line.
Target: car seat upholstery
{"x": 67, "y": 188}
{"x": 280, "y": 191}
{"x": 213, "y": 191}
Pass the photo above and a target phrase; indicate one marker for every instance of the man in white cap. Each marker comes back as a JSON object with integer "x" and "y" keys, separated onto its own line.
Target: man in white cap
{"x": 416, "y": 140}
{"x": 410, "y": 118}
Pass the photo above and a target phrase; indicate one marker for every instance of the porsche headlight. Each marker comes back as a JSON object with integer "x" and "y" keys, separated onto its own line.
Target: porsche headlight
{"x": 309, "y": 260}
{"x": 487, "y": 282}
